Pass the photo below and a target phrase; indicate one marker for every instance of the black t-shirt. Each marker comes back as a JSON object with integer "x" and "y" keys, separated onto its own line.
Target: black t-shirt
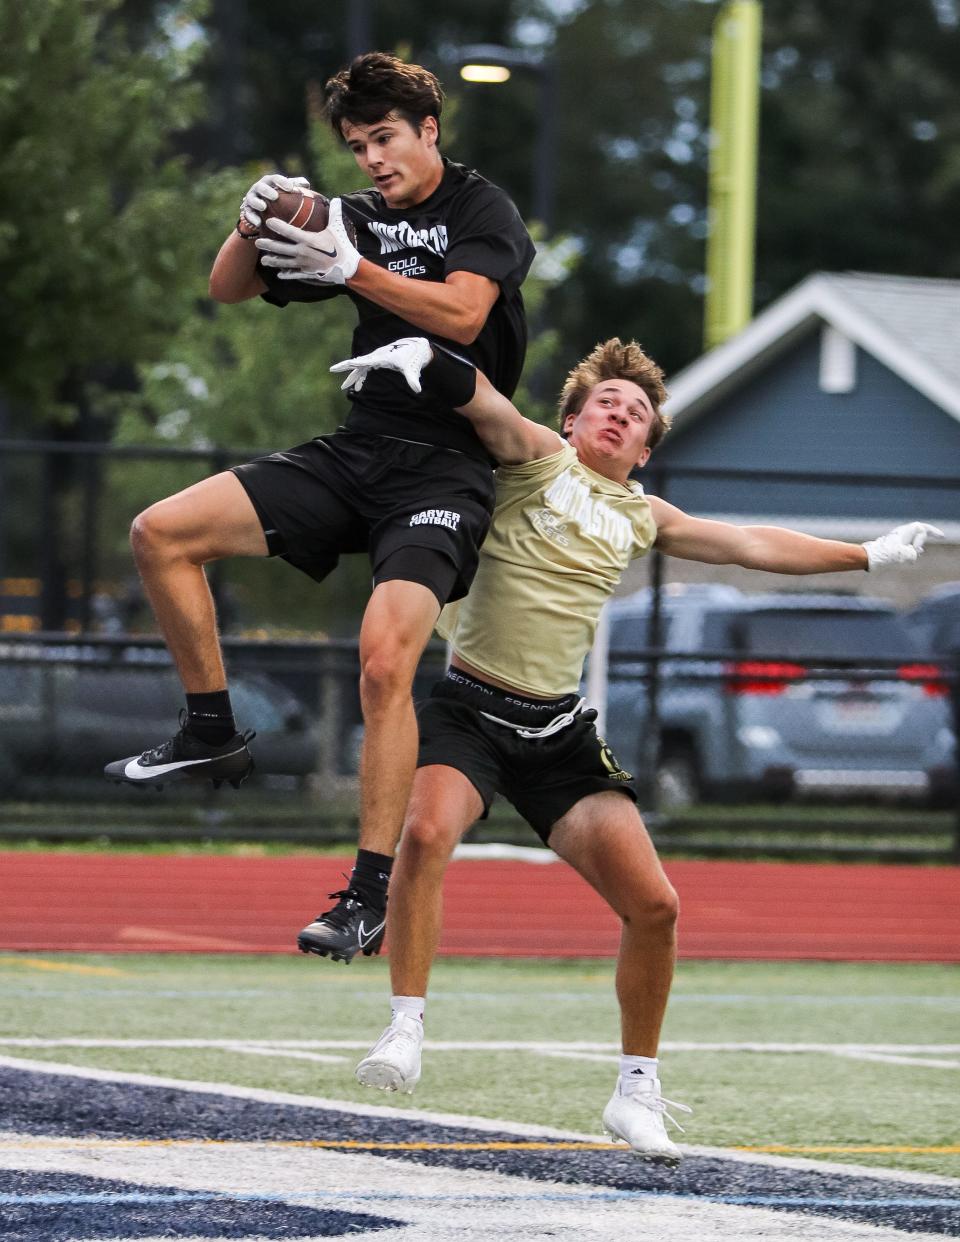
{"x": 467, "y": 224}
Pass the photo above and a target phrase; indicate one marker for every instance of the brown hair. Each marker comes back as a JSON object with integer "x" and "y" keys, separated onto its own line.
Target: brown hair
{"x": 614, "y": 360}
{"x": 376, "y": 84}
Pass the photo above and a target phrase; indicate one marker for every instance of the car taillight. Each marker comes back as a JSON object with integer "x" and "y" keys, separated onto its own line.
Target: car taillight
{"x": 762, "y": 676}
{"x": 931, "y": 676}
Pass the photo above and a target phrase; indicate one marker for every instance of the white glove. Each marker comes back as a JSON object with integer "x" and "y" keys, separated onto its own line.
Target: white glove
{"x": 900, "y": 546}
{"x": 325, "y": 258}
{"x": 409, "y": 355}
{"x": 265, "y": 190}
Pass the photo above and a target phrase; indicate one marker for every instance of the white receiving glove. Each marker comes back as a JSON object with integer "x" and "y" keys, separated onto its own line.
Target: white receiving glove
{"x": 900, "y": 546}
{"x": 265, "y": 190}
{"x": 409, "y": 355}
{"x": 325, "y": 258}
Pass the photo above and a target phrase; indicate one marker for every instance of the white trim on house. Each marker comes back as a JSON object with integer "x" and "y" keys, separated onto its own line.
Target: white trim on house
{"x": 838, "y": 361}
{"x": 818, "y": 299}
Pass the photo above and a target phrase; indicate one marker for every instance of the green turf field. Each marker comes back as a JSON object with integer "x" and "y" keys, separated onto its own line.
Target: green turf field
{"x": 740, "y": 1097}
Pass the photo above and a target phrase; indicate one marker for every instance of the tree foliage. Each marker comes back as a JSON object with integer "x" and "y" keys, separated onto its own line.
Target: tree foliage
{"x": 860, "y": 140}
{"x": 859, "y": 164}
{"x": 96, "y": 248}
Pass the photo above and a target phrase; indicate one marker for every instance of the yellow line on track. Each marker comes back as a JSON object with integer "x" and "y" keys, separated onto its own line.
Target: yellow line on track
{"x": 880, "y": 1149}
{"x": 70, "y": 968}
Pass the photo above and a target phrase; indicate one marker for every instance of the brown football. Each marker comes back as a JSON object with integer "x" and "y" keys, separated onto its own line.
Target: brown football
{"x": 305, "y": 209}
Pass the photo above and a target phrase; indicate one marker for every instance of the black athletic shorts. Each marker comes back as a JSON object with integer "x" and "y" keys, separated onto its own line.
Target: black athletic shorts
{"x": 542, "y": 777}
{"x": 350, "y": 492}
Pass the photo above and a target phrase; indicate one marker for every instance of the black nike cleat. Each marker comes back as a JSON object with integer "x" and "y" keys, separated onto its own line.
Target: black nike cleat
{"x": 351, "y": 927}
{"x": 185, "y": 757}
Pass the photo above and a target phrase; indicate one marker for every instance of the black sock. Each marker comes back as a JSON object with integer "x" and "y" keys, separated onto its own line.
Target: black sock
{"x": 371, "y": 875}
{"x": 210, "y": 717}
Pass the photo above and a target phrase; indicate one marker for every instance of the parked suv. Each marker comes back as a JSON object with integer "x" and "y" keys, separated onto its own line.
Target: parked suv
{"x": 935, "y": 620}
{"x": 807, "y": 693}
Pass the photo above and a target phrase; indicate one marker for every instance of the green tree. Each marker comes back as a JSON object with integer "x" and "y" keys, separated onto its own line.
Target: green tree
{"x": 93, "y": 233}
{"x": 93, "y": 246}
{"x": 860, "y": 140}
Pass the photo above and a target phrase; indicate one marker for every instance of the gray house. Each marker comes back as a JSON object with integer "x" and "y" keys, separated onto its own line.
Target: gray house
{"x": 846, "y": 375}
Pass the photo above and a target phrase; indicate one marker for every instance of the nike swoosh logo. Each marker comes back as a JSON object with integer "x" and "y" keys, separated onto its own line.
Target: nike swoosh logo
{"x": 135, "y": 772}
{"x": 364, "y": 937}
{"x": 331, "y": 254}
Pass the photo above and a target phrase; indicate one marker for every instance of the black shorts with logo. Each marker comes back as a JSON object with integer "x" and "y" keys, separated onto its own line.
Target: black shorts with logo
{"x": 542, "y": 777}
{"x": 350, "y": 492}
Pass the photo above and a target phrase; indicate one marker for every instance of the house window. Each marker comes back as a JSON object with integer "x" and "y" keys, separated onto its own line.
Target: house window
{"x": 838, "y": 361}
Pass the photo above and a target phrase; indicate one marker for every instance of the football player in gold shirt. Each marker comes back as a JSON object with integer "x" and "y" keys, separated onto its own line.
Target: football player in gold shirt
{"x": 508, "y": 719}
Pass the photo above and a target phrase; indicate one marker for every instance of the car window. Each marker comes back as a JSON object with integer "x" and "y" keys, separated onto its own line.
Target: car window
{"x": 629, "y": 634}
{"x": 946, "y": 636}
{"x": 717, "y": 632}
{"x": 803, "y": 634}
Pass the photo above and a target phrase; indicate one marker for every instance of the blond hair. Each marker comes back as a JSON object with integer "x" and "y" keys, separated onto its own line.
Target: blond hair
{"x": 613, "y": 360}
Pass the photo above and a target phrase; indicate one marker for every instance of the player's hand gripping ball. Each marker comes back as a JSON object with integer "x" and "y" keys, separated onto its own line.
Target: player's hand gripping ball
{"x": 327, "y": 257}
{"x": 302, "y": 207}
{"x": 263, "y": 192}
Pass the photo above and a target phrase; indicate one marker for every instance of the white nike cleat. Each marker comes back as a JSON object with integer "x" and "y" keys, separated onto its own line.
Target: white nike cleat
{"x": 635, "y": 1114}
{"x": 393, "y": 1063}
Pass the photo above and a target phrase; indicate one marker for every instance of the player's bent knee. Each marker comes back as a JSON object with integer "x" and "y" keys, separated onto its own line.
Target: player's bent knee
{"x": 385, "y": 673}
{"x": 658, "y": 911}
{"x": 148, "y": 534}
{"x": 428, "y": 839}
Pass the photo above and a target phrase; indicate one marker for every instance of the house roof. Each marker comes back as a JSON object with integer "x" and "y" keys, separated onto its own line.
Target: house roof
{"x": 910, "y": 324}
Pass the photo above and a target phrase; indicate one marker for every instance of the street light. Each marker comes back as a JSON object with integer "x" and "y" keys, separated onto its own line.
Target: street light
{"x": 492, "y": 64}
{"x": 485, "y": 73}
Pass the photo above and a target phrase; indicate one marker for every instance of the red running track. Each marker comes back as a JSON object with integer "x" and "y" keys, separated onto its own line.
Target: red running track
{"x": 137, "y": 903}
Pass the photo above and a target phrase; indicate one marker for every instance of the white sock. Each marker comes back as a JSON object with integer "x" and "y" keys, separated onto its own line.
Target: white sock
{"x": 633, "y": 1068}
{"x": 412, "y": 1006}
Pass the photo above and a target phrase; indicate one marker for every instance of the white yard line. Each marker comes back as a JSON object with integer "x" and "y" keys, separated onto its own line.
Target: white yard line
{"x": 893, "y": 1059}
{"x": 907, "y": 1054}
{"x": 290, "y": 1054}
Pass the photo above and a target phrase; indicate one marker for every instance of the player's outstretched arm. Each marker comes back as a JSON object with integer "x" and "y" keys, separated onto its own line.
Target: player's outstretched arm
{"x": 456, "y": 383}
{"x": 506, "y": 434}
{"x": 778, "y": 549}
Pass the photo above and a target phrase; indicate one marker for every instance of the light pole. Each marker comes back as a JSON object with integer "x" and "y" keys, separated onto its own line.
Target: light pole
{"x": 489, "y": 64}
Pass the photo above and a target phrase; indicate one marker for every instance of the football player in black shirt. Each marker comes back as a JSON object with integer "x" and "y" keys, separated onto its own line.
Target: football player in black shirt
{"x": 438, "y": 249}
